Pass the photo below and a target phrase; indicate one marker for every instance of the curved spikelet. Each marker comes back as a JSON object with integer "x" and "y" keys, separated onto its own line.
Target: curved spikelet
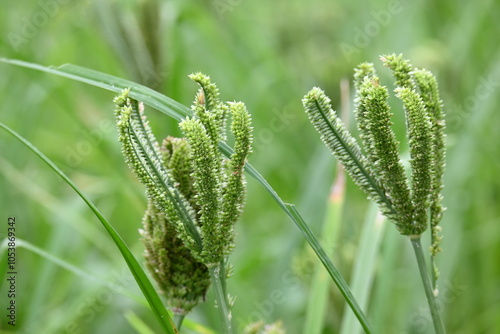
{"x": 204, "y": 159}
{"x": 427, "y": 84}
{"x": 362, "y": 72}
{"x": 344, "y": 146}
{"x": 209, "y": 109}
{"x": 420, "y": 137}
{"x": 401, "y": 69}
{"x": 384, "y": 154}
{"x": 208, "y": 96}
{"x": 233, "y": 193}
{"x": 176, "y": 153}
{"x": 142, "y": 153}
{"x": 428, "y": 87}
{"x": 421, "y": 153}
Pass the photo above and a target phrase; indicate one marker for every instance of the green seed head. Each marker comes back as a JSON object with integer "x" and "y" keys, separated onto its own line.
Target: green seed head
{"x": 195, "y": 194}
{"x": 180, "y": 277}
{"x": 379, "y": 171}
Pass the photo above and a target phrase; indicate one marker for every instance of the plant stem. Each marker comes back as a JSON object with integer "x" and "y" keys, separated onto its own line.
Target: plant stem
{"x": 433, "y": 274}
{"x": 422, "y": 266}
{"x": 363, "y": 273}
{"x": 218, "y": 277}
{"x": 337, "y": 278}
{"x": 178, "y": 318}
{"x": 318, "y": 296}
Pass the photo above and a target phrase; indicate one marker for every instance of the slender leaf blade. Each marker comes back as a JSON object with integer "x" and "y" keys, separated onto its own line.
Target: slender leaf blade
{"x": 363, "y": 273}
{"x": 141, "y": 93}
{"x": 142, "y": 280}
{"x": 334, "y": 273}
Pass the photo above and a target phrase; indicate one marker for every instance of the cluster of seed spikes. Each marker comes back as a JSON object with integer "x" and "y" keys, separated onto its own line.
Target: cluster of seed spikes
{"x": 377, "y": 168}
{"x": 195, "y": 194}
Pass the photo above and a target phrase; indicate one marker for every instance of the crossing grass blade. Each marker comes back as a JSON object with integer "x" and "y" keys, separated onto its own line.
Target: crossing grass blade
{"x": 142, "y": 280}
{"x": 317, "y": 304}
{"x": 20, "y": 243}
{"x": 363, "y": 273}
{"x": 178, "y": 111}
{"x": 137, "y": 323}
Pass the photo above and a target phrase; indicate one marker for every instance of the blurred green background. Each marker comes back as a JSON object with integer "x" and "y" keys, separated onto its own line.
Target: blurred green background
{"x": 267, "y": 54}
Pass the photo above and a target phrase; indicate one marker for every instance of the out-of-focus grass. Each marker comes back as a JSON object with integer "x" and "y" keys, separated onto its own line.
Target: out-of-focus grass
{"x": 267, "y": 54}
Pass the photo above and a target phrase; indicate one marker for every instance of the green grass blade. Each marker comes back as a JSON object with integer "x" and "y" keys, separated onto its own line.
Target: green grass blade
{"x": 320, "y": 285}
{"x": 431, "y": 299}
{"x": 141, "y": 93}
{"x": 217, "y": 277}
{"x": 334, "y": 273}
{"x": 364, "y": 266}
{"x": 92, "y": 233}
{"x": 178, "y": 111}
{"x": 142, "y": 280}
{"x": 196, "y": 327}
{"x": 137, "y": 323}
{"x": 73, "y": 269}
{"x": 384, "y": 291}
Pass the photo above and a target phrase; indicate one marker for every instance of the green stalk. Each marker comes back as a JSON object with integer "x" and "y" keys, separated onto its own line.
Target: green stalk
{"x": 178, "y": 319}
{"x": 338, "y": 279}
{"x": 364, "y": 269}
{"x": 137, "y": 323}
{"x": 422, "y": 266}
{"x": 318, "y": 298}
{"x": 434, "y": 271}
{"x": 218, "y": 277}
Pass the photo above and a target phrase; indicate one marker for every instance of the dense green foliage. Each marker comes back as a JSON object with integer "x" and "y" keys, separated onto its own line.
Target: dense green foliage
{"x": 266, "y": 54}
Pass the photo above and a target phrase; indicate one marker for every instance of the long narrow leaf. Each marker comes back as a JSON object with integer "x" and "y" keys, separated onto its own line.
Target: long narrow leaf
{"x": 138, "y": 92}
{"x": 72, "y": 268}
{"x": 364, "y": 267}
{"x": 334, "y": 273}
{"x": 178, "y": 111}
{"x": 317, "y": 303}
{"x": 142, "y": 280}
{"x": 137, "y": 323}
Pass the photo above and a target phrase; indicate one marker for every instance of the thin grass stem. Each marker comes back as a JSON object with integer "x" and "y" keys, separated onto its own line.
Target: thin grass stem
{"x": 338, "y": 279}
{"x": 364, "y": 270}
{"x": 434, "y": 275}
{"x": 318, "y": 298}
{"x": 178, "y": 319}
{"x": 218, "y": 277}
{"x": 422, "y": 266}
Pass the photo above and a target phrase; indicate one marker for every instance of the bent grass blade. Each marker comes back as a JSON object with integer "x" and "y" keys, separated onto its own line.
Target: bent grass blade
{"x": 142, "y": 280}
